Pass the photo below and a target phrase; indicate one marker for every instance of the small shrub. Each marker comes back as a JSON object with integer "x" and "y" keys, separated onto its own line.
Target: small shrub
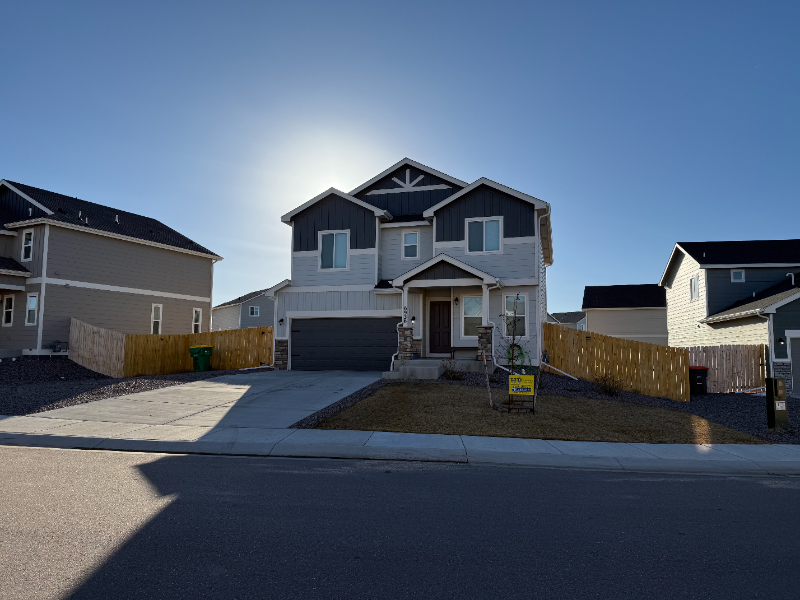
{"x": 452, "y": 370}
{"x": 609, "y": 384}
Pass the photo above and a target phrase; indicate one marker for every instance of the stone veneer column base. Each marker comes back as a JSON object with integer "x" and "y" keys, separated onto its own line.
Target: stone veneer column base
{"x": 783, "y": 370}
{"x": 485, "y": 341}
{"x": 281, "y": 361}
{"x": 405, "y": 342}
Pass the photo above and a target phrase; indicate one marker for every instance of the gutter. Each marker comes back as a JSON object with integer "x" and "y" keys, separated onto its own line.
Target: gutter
{"x": 756, "y": 312}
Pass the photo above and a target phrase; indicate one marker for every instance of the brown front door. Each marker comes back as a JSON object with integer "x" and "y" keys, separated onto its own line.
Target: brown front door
{"x": 440, "y": 327}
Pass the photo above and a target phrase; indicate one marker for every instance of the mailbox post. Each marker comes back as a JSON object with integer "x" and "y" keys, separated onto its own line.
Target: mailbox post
{"x": 777, "y": 415}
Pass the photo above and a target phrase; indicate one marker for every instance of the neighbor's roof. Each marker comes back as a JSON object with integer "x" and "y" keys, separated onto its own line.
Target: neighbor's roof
{"x": 65, "y": 209}
{"x": 744, "y": 253}
{"x": 647, "y": 295}
{"x": 569, "y": 317}
{"x": 242, "y": 299}
{"x": 760, "y": 303}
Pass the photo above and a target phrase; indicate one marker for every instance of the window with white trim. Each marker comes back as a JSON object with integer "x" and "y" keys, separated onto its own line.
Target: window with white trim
{"x": 694, "y": 287}
{"x": 737, "y": 275}
{"x": 483, "y": 235}
{"x": 156, "y": 317}
{"x": 32, "y": 309}
{"x": 471, "y": 315}
{"x": 255, "y": 311}
{"x": 8, "y": 311}
{"x": 333, "y": 247}
{"x": 197, "y": 319}
{"x": 410, "y": 245}
{"x": 516, "y": 303}
{"x": 27, "y": 245}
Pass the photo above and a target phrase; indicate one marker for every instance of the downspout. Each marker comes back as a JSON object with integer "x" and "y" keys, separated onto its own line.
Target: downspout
{"x": 540, "y": 332}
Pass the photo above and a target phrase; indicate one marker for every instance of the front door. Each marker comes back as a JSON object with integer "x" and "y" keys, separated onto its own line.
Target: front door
{"x": 440, "y": 328}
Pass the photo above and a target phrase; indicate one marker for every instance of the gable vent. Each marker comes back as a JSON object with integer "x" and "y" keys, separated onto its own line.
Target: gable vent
{"x": 30, "y": 212}
{"x": 116, "y": 219}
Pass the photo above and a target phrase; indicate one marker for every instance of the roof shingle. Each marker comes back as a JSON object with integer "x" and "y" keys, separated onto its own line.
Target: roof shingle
{"x": 648, "y": 295}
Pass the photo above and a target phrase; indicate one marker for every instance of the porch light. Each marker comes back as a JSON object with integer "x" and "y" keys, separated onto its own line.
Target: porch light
{"x": 413, "y": 320}
{"x": 781, "y": 342}
{"x": 280, "y": 321}
{"x": 455, "y": 300}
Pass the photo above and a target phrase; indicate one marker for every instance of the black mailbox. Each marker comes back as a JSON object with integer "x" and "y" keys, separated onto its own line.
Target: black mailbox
{"x": 698, "y": 380}
{"x": 777, "y": 414}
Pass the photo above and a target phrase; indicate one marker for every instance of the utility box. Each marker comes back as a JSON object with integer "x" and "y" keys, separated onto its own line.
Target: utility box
{"x": 777, "y": 413}
{"x": 698, "y": 380}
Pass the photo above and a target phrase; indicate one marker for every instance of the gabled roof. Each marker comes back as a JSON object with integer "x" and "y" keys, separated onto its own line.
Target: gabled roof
{"x": 648, "y": 295}
{"x": 762, "y": 253}
{"x": 569, "y": 317}
{"x": 378, "y": 212}
{"x": 493, "y": 184}
{"x": 97, "y": 218}
{"x": 485, "y": 277}
{"x": 8, "y": 266}
{"x": 765, "y": 301}
{"x": 241, "y": 299}
{"x": 275, "y": 288}
{"x": 409, "y": 162}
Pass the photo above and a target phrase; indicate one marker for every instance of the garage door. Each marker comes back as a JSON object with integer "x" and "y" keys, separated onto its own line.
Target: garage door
{"x": 343, "y": 344}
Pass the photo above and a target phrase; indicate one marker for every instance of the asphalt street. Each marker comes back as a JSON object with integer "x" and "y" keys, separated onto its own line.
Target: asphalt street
{"x": 100, "y": 524}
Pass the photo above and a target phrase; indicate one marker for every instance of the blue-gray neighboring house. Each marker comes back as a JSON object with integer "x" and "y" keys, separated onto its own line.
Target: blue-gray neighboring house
{"x": 255, "y": 309}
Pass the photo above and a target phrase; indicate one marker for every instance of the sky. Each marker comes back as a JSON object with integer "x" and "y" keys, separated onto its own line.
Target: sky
{"x": 641, "y": 123}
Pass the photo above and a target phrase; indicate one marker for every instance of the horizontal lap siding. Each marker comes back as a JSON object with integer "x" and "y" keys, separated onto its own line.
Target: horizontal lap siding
{"x": 333, "y": 213}
{"x": 306, "y": 272}
{"x": 529, "y": 343}
{"x": 517, "y": 261}
{"x": 226, "y": 318}
{"x": 392, "y": 264}
{"x": 20, "y": 336}
{"x": 34, "y": 266}
{"x": 79, "y": 256}
{"x": 519, "y": 218}
{"x": 266, "y": 313}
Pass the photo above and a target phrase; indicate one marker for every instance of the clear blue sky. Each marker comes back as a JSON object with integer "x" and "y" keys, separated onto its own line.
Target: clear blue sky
{"x": 642, "y": 123}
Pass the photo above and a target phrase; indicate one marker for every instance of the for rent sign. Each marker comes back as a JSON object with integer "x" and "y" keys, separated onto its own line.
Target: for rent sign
{"x": 521, "y": 384}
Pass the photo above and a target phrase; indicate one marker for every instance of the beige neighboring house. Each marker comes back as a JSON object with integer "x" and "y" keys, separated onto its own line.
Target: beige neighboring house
{"x": 633, "y": 312}
{"x": 61, "y": 257}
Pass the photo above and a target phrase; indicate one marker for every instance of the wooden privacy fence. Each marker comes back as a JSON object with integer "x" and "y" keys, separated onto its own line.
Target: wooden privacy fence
{"x": 645, "y": 368}
{"x": 129, "y": 355}
{"x": 731, "y": 368}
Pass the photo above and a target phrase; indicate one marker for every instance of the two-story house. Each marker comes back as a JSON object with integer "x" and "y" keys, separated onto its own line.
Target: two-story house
{"x": 411, "y": 246}
{"x": 255, "y": 309}
{"x": 61, "y": 257}
{"x": 737, "y": 293}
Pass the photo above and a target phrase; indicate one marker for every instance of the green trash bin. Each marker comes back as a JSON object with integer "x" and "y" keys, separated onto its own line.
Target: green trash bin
{"x": 201, "y": 357}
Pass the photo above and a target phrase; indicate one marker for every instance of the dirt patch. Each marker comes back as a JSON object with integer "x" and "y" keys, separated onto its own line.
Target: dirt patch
{"x": 464, "y": 410}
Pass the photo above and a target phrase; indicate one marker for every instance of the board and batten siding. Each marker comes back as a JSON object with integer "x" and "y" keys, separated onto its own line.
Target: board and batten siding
{"x": 407, "y": 203}
{"x": 266, "y": 313}
{"x": 519, "y": 217}
{"x": 391, "y": 248}
{"x": 723, "y": 293}
{"x": 226, "y": 318}
{"x": 517, "y": 261}
{"x": 79, "y": 256}
{"x": 351, "y": 300}
{"x": 684, "y": 315}
{"x": 640, "y": 324}
{"x": 361, "y": 271}
{"x": 787, "y": 317}
{"x": 333, "y": 213}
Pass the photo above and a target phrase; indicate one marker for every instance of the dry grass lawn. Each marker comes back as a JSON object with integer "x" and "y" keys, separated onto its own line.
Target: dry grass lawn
{"x": 464, "y": 410}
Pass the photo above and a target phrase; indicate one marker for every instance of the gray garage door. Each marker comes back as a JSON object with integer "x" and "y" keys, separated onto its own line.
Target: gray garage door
{"x": 343, "y": 344}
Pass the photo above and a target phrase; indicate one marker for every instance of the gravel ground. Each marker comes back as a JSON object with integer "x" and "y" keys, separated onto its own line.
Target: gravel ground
{"x": 31, "y": 384}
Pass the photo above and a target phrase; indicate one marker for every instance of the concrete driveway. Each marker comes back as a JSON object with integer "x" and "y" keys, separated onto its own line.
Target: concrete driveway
{"x": 266, "y": 400}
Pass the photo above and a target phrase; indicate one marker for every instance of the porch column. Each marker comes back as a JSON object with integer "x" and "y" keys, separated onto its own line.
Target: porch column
{"x": 485, "y": 305}
{"x": 405, "y": 305}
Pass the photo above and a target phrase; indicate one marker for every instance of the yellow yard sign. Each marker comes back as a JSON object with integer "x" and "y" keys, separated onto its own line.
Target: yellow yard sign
{"x": 521, "y": 384}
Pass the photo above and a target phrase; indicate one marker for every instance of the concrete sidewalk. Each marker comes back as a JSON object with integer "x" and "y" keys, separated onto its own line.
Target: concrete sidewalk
{"x": 242, "y": 440}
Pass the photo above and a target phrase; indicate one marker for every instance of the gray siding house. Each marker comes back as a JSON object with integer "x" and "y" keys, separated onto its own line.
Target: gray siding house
{"x": 61, "y": 257}
{"x": 737, "y": 293}
{"x": 255, "y": 309}
{"x": 632, "y": 312}
{"x": 416, "y": 247}
{"x": 573, "y": 320}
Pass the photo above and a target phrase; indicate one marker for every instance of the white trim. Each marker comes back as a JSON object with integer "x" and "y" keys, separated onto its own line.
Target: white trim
{"x": 454, "y": 244}
{"x": 200, "y": 323}
{"x": 35, "y": 312}
{"x": 403, "y": 245}
{"x": 3, "y": 310}
{"x": 333, "y": 256}
{"x": 388, "y": 291}
{"x": 275, "y": 288}
{"x": 527, "y": 321}
{"x": 114, "y": 288}
{"x": 404, "y": 224}
{"x": 746, "y": 265}
{"x": 160, "y": 318}
{"x": 342, "y": 314}
{"x": 250, "y": 310}
{"x": 287, "y": 218}
{"x": 332, "y": 288}
{"x": 789, "y": 334}
{"x": 24, "y": 195}
{"x": 675, "y": 248}
{"x": 627, "y": 308}
{"x": 521, "y": 281}
{"x": 693, "y": 278}
{"x": 755, "y": 312}
{"x": 483, "y": 220}
{"x": 15, "y": 273}
{"x": 377, "y": 251}
{"x": 773, "y": 307}
{"x": 16, "y": 288}
{"x": 305, "y": 253}
{"x": 116, "y": 236}
{"x": 408, "y": 161}
{"x": 463, "y": 316}
{"x": 409, "y": 186}
{"x": 485, "y": 277}
{"x": 7, "y": 232}
{"x": 355, "y": 251}
{"x": 425, "y": 324}
{"x": 45, "y": 248}
{"x": 22, "y": 258}
{"x": 433, "y": 283}
{"x": 508, "y": 241}
{"x": 742, "y": 280}
{"x": 493, "y": 184}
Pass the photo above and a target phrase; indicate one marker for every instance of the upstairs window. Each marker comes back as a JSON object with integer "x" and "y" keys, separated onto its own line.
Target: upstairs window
{"x": 31, "y": 308}
{"x": 411, "y": 245}
{"x": 333, "y": 247}
{"x": 155, "y": 318}
{"x": 197, "y": 318}
{"x": 8, "y": 311}
{"x": 483, "y": 235}
{"x": 473, "y": 311}
{"x": 737, "y": 275}
{"x": 516, "y": 327}
{"x": 694, "y": 287}
{"x": 254, "y": 311}
{"x": 27, "y": 245}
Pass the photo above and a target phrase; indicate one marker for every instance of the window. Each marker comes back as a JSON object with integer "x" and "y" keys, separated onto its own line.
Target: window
{"x": 516, "y": 328}
{"x": 473, "y": 309}
{"x": 483, "y": 235}
{"x": 410, "y": 245}
{"x": 197, "y": 319}
{"x": 27, "y": 245}
{"x": 8, "y": 311}
{"x": 155, "y": 318}
{"x": 254, "y": 311}
{"x": 333, "y": 250}
{"x": 31, "y": 309}
{"x": 737, "y": 275}
{"x": 694, "y": 287}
